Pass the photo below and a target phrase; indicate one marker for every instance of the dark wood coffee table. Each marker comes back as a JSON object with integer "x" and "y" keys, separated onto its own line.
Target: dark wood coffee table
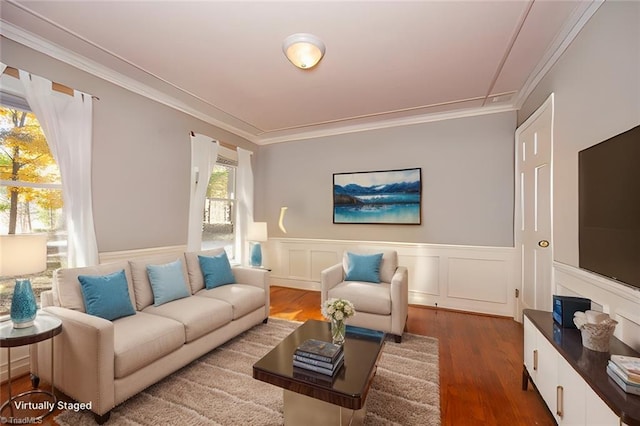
{"x": 311, "y": 400}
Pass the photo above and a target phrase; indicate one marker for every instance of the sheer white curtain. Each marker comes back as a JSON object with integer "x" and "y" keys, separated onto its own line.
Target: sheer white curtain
{"x": 67, "y": 124}
{"x": 244, "y": 203}
{"x": 204, "y": 154}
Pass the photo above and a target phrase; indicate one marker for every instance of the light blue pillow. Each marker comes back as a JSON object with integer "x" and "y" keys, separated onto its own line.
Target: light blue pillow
{"x": 106, "y": 296}
{"x": 363, "y": 267}
{"x": 216, "y": 270}
{"x": 167, "y": 282}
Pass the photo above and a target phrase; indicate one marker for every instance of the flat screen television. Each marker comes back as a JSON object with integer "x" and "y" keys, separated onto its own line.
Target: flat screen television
{"x": 609, "y": 208}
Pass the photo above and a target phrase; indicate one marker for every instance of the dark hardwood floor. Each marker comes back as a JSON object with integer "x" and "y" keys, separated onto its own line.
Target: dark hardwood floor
{"x": 480, "y": 362}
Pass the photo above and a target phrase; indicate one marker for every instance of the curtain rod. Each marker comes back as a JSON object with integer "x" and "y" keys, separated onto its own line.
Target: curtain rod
{"x": 224, "y": 144}
{"x": 61, "y": 88}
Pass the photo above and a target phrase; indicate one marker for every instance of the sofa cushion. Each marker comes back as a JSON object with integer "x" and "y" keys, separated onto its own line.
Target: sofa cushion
{"x": 216, "y": 270}
{"x": 167, "y": 282}
{"x": 363, "y": 267}
{"x": 388, "y": 264}
{"x": 67, "y": 292}
{"x": 366, "y": 297}
{"x": 106, "y": 296}
{"x": 199, "y": 315}
{"x": 141, "y": 339}
{"x": 141, "y": 284}
{"x": 243, "y": 297}
{"x": 196, "y": 279}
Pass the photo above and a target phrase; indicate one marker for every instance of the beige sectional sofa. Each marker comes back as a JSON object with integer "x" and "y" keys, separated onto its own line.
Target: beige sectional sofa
{"x": 106, "y": 362}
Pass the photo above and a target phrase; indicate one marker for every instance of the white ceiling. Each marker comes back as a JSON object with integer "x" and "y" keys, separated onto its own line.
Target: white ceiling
{"x": 387, "y": 63}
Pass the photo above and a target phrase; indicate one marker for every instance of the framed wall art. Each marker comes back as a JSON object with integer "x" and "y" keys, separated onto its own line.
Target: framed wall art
{"x": 378, "y": 197}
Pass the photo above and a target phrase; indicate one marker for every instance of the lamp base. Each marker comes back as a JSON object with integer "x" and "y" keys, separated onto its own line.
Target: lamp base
{"x": 23, "y": 324}
{"x": 256, "y": 255}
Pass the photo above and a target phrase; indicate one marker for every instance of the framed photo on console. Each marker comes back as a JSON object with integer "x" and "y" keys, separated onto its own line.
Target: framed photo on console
{"x": 378, "y": 197}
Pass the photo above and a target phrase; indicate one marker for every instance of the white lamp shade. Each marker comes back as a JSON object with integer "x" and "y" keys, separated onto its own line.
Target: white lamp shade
{"x": 22, "y": 254}
{"x": 303, "y": 50}
{"x": 257, "y": 231}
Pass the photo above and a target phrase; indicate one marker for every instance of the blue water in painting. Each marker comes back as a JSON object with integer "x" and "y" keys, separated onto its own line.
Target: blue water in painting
{"x": 408, "y": 213}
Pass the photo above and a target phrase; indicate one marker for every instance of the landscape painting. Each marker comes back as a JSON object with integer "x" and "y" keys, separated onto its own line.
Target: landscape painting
{"x": 382, "y": 197}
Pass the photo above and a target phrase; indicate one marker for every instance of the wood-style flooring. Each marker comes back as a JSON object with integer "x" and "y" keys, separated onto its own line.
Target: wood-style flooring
{"x": 480, "y": 362}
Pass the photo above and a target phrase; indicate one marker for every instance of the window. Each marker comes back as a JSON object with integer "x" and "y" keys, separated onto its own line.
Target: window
{"x": 30, "y": 194}
{"x": 218, "y": 228}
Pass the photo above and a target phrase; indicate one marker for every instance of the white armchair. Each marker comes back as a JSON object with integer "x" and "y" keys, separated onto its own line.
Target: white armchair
{"x": 380, "y": 306}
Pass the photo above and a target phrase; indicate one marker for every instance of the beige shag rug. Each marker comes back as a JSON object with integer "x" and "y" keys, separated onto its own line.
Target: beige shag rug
{"x": 219, "y": 389}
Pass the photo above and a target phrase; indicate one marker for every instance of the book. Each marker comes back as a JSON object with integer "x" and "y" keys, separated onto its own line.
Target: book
{"x": 629, "y": 365}
{"x": 317, "y": 369}
{"x": 323, "y": 364}
{"x": 319, "y": 350}
{"x": 629, "y": 388}
{"x": 313, "y": 377}
{"x": 364, "y": 333}
{"x": 624, "y": 376}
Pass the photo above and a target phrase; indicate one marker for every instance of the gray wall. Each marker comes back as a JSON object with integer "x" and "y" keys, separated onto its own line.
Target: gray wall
{"x": 467, "y": 175}
{"x": 597, "y": 95}
{"x": 141, "y": 157}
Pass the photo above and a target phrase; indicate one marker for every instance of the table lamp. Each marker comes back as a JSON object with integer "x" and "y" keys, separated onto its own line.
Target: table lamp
{"x": 20, "y": 255}
{"x": 257, "y": 233}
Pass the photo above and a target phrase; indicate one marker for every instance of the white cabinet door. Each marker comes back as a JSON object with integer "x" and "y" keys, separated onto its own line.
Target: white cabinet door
{"x": 598, "y": 413}
{"x": 570, "y": 396}
{"x": 541, "y": 360}
{"x": 530, "y": 348}
{"x": 547, "y": 376}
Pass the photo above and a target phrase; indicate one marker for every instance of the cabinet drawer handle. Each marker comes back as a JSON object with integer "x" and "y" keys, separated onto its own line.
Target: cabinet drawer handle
{"x": 535, "y": 359}
{"x": 560, "y": 401}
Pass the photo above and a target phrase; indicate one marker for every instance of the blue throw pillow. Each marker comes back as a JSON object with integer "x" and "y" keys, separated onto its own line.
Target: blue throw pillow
{"x": 363, "y": 267}
{"x": 106, "y": 296}
{"x": 167, "y": 282}
{"x": 216, "y": 270}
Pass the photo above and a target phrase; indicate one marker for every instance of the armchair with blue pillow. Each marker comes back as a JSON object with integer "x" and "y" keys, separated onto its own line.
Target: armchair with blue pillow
{"x": 377, "y": 287}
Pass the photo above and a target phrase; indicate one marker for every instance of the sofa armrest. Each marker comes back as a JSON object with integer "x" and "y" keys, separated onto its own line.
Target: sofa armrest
{"x": 256, "y": 277}
{"x": 329, "y": 278}
{"x": 399, "y": 299}
{"x": 84, "y": 358}
{"x": 252, "y": 276}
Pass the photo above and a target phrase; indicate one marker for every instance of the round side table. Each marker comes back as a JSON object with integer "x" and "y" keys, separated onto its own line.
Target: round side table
{"x": 44, "y": 327}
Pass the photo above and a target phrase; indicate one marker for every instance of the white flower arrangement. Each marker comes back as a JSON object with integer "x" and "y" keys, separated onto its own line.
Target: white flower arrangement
{"x": 338, "y": 309}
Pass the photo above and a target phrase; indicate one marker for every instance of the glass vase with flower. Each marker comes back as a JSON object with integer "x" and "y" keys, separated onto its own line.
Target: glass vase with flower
{"x": 337, "y": 311}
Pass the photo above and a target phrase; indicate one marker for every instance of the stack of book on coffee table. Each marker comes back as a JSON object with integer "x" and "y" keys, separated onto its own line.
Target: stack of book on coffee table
{"x": 625, "y": 371}
{"x": 319, "y": 357}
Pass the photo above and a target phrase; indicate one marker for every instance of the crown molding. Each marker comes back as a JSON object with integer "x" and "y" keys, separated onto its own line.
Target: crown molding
{"x": 581, "y": 16}
{"x": 385, "y": 124}
{"x": 574, "y": 25}
{"x": 39, "y": 44}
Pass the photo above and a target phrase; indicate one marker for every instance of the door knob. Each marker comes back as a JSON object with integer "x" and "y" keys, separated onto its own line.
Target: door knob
{"x": 543, "y": 243}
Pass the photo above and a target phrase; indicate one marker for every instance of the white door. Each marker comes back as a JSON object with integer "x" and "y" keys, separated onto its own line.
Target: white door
{"x": 534, "y": 141}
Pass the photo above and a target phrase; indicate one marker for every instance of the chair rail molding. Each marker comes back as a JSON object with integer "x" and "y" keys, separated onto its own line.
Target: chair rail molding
{"x": 468, "y": 278}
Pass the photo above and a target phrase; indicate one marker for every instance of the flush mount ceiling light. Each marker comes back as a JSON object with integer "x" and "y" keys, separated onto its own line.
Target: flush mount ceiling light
{"x": 303, "y": 50}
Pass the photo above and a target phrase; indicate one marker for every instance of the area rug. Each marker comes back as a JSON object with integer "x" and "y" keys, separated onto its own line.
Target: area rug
{"x": 219, "y": 389}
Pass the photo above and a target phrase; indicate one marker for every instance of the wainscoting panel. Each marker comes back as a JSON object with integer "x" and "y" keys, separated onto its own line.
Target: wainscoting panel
{"x": 474, "y": 279}
{"x": 321, "y": 260}
{"x": 465, "y": 274}
{"x": 20, "y": 364}
{"x": 424, "y": 275}
{"x": 114, "y": 256}
{"x": 299, "y": 264}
